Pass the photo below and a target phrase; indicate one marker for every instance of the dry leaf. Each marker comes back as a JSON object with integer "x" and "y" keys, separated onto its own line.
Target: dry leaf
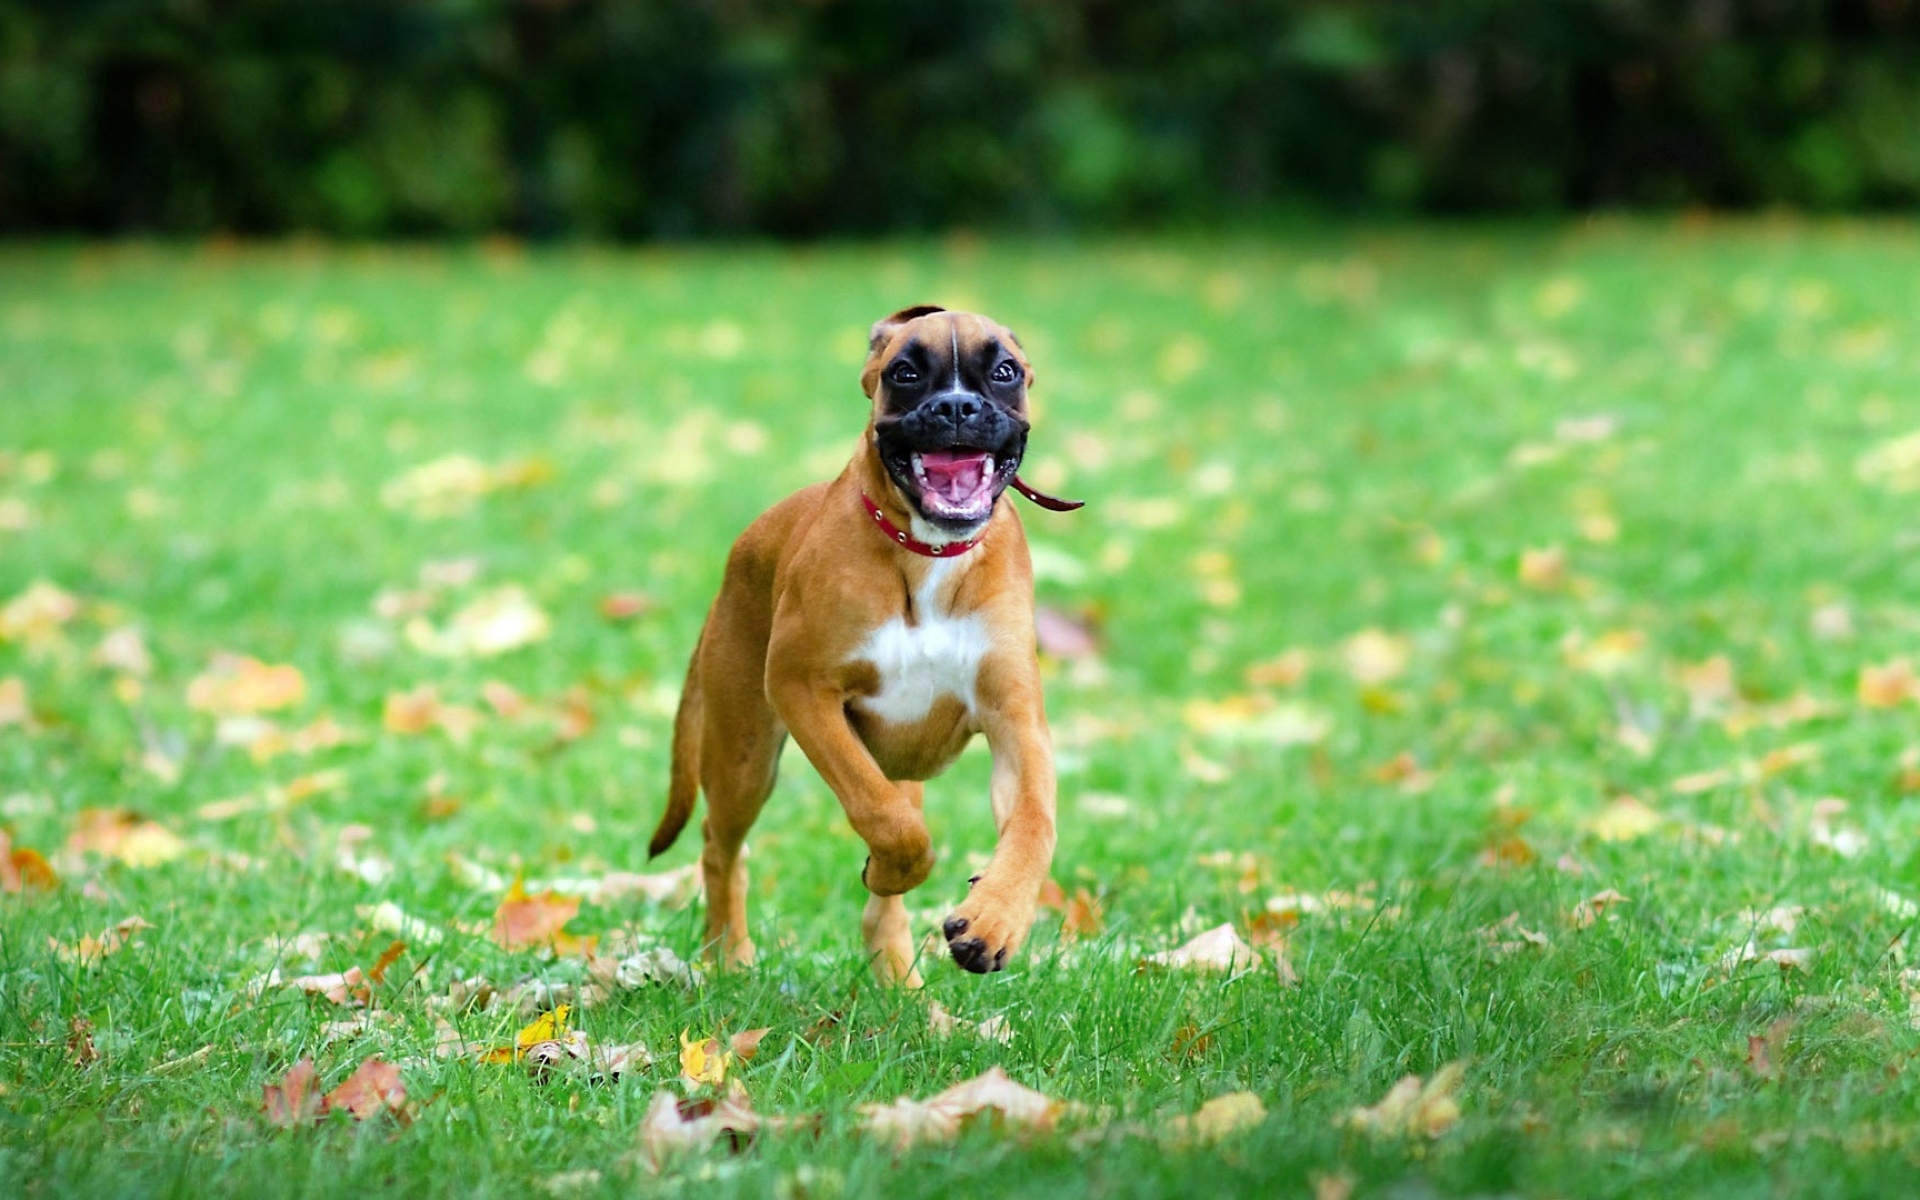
{"x": 1287, "y": 669}
{"x": 670, "y": 888}
{"x": 296, "y": 1099}
{"x": 81, "y": 1051}
{"x": 1065, "y": 635}
{"x": 547, "y": 1027}
{"x": 90, "y": 949}
{"x": 625, "y": 606}
{"x": 1544, "y": 569}
{"x": 499, "y": 621}
{"x": 991, "y": 1096}
{"x": 36, "y": 615}
{"x": 946, "y": 1025}
{"x": 705, "y": 1062}
{"x": 347, "y": 988}
{"x": 523, "y": 922}
{"x": 1887, "y": 685}
{"x": 747, "y": 1043}
{"x": 373, "y": 1088}
{"x": 1085, "y": 916}
{"x": 1508, "y": 936}
{"x": 236, "y": 685}
{"x": 126, "y": 835}
{"x": 1218, "y": 1119}
{"x": 1218, "y": 949}
{"x": 1623, "y": 820}
{"x": 1593, "y": 907}
{"x": 673, "y": 1125}
{"x": 1412, "y": 1107}
{"x": 14, "y": 709}
{"x": 22, "y": 869}
{"x": 124, "y": 649}
{"x": 1374, "y": 657}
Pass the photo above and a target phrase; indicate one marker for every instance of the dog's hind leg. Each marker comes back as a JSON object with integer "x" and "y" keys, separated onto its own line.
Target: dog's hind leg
{"x": 885, "y": 929}
{"x": 739, "y": 759}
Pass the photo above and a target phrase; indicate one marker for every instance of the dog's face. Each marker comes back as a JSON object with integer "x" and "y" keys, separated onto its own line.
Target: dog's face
{"x": 949, "y": 395}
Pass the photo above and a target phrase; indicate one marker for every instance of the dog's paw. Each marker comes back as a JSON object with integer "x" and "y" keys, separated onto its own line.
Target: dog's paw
{"x": 985, "y": 931}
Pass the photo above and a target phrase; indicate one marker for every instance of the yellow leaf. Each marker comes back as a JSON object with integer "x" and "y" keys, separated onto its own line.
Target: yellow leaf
{"x": 236, "y": 685}
{"x": 547, "y": 1027}
{"x": 1218, "y": 1118}
{"x": 1623, "y": 820}
{"x": 1413, "y": 1107}
{"x": 704, "y": 1061}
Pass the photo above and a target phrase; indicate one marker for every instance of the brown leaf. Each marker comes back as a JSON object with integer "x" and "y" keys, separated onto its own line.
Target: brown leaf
{"x": 1413, "y": 1107}
{"x": 992, "y": 1096}
{"x": 1190, "y": 1043}
{"x": 14, "y": 709}
{"x": 944, "y": 1023}
{"x": 1218, "y": 949}
{"x": 373, "y": 1088}
{"x": 387, "y": 958}
{"x": 746, "y": 1043}
{"x": 90, "y": 949}
{"x": 126, "y": 835}
{"x": 1544, "y": 569}
{"x": 1052, "y": 895}
{"x": 524, "y": 922}
{"x": 295, "y": 1100}
{"x": 1593, "y": 907}
{"x": 1217, "y": 1120}
{"x": 1287, "y": 669}
{"x": 1066, "y": 635}
{"x": 1085, "y": 915}
{"x": 22, "y": 869}
{"x": 1887, "y": 685}
{"x": 625, "y": 606}
{"x": 346, "y": 988}
{"x": 236, "y": 685}
{"x": 80, "y": 1048}
{"x": 673, "y": 1125}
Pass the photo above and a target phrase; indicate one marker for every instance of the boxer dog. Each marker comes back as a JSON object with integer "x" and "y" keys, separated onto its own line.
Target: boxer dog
{"x": 883, "y": 619}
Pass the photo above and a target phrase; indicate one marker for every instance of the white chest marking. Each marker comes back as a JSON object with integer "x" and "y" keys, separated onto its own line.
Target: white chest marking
{"x": 939, "y": 655}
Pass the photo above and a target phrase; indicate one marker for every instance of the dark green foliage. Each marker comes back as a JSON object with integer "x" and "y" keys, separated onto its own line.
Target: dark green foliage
{"x": 368, "y": 117}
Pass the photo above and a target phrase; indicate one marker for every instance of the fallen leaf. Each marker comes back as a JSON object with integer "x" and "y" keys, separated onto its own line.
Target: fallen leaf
{"x": 1887, "y": 685}
{"x": 236, "y": 685}
{"x": 81, "y": 1051}
{"x": 991, "y": 1096}
{"x": 497, "y": 622}
{"x": 673, "y": 1125}
{"x": 420, "y": 710}
{"x": 1508, "y": 936}
{"x": 126, "y": 835}
{"x": 1624, "y": 819}
{"x": 1065, "y": 635}
{"x": 1218, "y": 949}
{"x": 296, "y": 1099}
{"x": 670, "y": 888}
{"x": 705, "y": 1062}
{"x": 1544, "y": 569}
{"x": 946, "y": 1025}
{"x": 37, "y": 614}
{"x": 14, "y": 709}
{"x": 1287, "y": 669}
{"x": 1374, "y": 657}
{"x": 1217, "y": 1120}
{"x": 124, "y": 649}
{"x": 22, "y": 869}
{"x": 1413, "y": 1107}
{"x": 388, "y": 917}
{"x": 549, "y": 1026}
{"x": 1593, "y": 907}
{"x": 524, "y": 922}
{"x": 1085, "y": 916}
{"x": 450, "y": 485}
{"x": 373, "y": 1088}
{"x": 347, "y": 988}
{"x": 90, "y": 949}
{"x": 747, "y": 1043}
{"x": 625, "y": 606}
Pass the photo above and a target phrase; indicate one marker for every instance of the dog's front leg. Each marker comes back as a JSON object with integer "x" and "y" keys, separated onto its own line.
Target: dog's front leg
{"x": 885, "y": 814}
{"x": 995, "y": 918}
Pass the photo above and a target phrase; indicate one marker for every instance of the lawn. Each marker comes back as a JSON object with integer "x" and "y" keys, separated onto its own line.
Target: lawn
{"x": 1510, "y": 631}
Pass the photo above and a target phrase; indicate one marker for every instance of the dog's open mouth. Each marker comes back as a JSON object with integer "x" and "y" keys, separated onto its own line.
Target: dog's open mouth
{"x": 956, "y": 484}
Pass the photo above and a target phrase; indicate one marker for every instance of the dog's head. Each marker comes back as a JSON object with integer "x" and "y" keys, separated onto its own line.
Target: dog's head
{"x": 949, "y": 395}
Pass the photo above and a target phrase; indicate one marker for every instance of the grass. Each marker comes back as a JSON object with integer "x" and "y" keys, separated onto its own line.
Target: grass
{"x": 1286, "y": 442}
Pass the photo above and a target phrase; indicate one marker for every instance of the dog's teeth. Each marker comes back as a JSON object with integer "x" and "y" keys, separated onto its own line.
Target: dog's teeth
{"x": 988, "y": 469}
{"x": 919, "y": 469}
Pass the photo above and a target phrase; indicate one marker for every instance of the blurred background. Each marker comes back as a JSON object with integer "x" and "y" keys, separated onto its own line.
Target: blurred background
{"x": 697, "y": 118}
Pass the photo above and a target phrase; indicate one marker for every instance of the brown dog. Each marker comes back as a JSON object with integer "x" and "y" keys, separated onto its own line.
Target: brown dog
{"x": 883, "y": 619}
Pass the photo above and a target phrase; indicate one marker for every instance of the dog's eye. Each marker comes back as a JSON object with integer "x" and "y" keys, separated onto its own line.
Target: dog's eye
{"x": 904, "y": 374}
{"x": 1005, "y": 372}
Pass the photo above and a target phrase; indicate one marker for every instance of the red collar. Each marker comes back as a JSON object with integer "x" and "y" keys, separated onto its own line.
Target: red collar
{"x": 907, "y": 541}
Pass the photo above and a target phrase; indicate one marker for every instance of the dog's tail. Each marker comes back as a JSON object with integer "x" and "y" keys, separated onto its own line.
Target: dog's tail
{"x": 683, "y": 782}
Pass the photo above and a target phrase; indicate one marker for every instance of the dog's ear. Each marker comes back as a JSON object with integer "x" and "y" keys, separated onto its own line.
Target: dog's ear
{"x": 879, "y": 335}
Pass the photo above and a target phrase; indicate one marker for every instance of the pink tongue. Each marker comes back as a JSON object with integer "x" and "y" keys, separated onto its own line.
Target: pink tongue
{"x": 955, "y": 478}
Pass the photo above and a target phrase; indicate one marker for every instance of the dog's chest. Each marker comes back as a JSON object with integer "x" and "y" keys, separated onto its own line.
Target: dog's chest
{"x": 936, "y": 654}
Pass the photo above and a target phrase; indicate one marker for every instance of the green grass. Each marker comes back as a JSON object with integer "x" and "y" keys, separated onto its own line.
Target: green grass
{"x": 1284, "y": 441}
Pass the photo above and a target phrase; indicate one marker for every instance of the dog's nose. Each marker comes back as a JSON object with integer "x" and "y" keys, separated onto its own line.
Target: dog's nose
{"x": 957, "y": 407}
